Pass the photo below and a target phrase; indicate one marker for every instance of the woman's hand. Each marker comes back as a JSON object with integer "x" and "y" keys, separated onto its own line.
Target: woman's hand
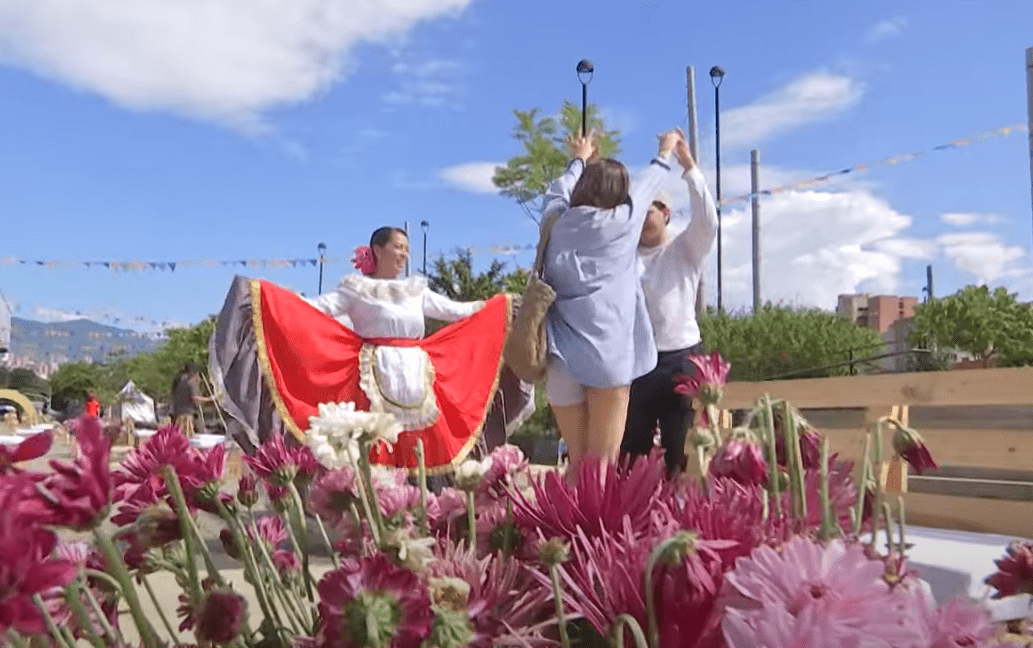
{"x": 668, "y": 141}
{"x": 582, "y": 148}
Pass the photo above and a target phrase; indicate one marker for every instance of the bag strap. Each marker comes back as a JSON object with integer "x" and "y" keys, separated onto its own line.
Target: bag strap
{"x": 543, "y": 242}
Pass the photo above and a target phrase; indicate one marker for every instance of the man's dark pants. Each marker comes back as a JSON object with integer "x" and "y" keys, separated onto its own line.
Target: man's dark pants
{"x": 653, "y": 402}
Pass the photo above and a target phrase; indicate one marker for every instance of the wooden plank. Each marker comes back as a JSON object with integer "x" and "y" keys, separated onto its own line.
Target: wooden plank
{"x": 1018, "y": 491}
{"x": 970, "y": 514}
{"x": 1011, "y": 386}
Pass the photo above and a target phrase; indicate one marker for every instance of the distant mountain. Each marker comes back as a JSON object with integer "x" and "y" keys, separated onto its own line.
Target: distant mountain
{"x": 54, "y": 343}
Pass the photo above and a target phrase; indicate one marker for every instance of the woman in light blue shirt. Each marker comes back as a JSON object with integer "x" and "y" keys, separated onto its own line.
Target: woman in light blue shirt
{"x": 599, "y": 333}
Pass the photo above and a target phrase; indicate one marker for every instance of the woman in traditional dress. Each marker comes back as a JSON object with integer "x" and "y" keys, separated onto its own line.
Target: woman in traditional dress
{"x": 598, "y": 329}
{"x": 363, "y": 343}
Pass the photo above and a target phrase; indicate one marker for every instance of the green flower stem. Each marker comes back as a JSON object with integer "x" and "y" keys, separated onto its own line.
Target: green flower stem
{"x": 795, "y": 454}
{"x": 862, "y": 490}
{"x": 877, "y": 508}
{"x": 161, "y": 611}
{"x": 16, "y": 639}
{"x": 104, "y": 576}
{"x": 55, "y": 632}
{"x": 471, "y": 518}
{"x": 358, "y": 524}
{"x": 300, "y": 621}
{"x": 184, "y": 524}
{"x": 250, "y": 568}
{"x": 889, "y": 526}
{"x": 901, "y": 524}
{"x": 773, "y": 474}
{"x": 74, "y": 602}
{"x": 765, "y": 505}
{"x": 826, "y": 512}
{"x": 422, "y": 479}
{"x": 183, "y": 512}
{"x": 121, "y": 574}
{"x": 326, "y": 541}
{"x": 557, "y": 594}
{"x": 111, "y": 633}
{"x": 617, "y": 631}
{"x": 365, "y": 484}
{"x": 301, "y": 539}
{"x": 654, "y": 557}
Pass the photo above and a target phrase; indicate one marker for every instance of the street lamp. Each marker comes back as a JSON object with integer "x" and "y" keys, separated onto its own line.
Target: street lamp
{"x": 322, "y": 249}
{"x": 716, "y": 76}
{"x": 585, "y": 72}
{"x": 424, "y": 225}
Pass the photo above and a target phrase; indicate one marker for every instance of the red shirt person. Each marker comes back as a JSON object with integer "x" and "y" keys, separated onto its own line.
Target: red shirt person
{"x": 92, "y": 406}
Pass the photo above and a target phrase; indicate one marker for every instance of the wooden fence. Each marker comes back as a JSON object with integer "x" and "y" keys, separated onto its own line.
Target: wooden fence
{"x": 978, "y": 425}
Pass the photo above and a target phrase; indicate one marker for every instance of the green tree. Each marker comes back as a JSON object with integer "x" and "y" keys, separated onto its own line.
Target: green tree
{"x": 154, "y": 372}
{"x": 781, "y": 340}
{"x": 526, "y": 176}
{"x": 992, "y": 326}
{"x": 74, "y": 380}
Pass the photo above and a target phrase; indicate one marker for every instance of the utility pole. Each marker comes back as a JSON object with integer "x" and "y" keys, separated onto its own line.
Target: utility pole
{"x": 1029, "y": 106}
{"x": 755, "y": 203}
{"x": 690, "y": 78}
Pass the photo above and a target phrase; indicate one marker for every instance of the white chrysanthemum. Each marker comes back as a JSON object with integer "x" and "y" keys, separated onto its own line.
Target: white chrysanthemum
{"x": 414, "y": 553}
{"x": 334, "y": 435}
{"x": 469, "y": 474}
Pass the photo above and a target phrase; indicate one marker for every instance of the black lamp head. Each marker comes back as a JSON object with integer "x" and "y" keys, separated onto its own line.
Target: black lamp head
{"x": 424, "y": 225}
{"x": 585, "y": 67}
{"x": 321, "y": 247}
{"x": 716, "y": 75}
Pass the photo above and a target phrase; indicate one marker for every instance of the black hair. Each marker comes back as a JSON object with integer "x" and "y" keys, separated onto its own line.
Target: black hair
{"x": 382, "y": 235}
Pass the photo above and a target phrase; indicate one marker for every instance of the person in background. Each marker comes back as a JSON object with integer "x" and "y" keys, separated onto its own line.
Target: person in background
{"x": 92, "y": 406}
{"x": 598, "y": 328}
{"x": 186, "y": 396}
{"x": 670, "y": 265}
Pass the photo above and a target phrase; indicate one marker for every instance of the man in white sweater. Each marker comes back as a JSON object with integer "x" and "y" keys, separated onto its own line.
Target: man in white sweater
{"x": 670, "y": 263}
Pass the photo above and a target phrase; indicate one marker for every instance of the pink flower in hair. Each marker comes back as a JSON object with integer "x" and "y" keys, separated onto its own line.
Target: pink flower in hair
{"x": 364, "y": 261}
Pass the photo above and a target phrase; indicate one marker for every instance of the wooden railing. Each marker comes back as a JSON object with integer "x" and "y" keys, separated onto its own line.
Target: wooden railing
{"x": 978, "y": 425}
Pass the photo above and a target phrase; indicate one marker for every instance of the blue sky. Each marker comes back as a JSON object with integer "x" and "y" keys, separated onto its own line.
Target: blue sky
{"x": 230, "y": 129}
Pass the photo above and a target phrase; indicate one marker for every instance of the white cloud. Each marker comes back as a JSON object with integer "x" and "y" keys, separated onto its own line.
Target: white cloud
{"x": 430, "y": 83}
{"x": 983, "y": 255}
{"x": 809, "y": 98}
{"x": 44, "y": 314}
{"x": 965, "y": 219}
{"x": 225, "y": 60}
{"x": 886, "y": 29}
{"x": 474, "y": 177}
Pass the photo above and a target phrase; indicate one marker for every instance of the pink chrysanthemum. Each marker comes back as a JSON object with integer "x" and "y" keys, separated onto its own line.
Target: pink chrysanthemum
{"x": 1014, "y": 573}
{"x": 741, "y": 461}
{"x": 505, "y": 605}
{"x": 274, "y": 462}
{"x": 168, "y": 447}
{"x": 833, "y": 592}
{"x": 372, "y": 595}
{"x": 600, "y": 499}
{"x": 333, "y": 495}
{"x": 711, "y": 373}
{"x": 33, "y": 447}
{"x": 364, "y": 261}
{"x": 959, "y": 624}
{"x": 605, "y": 578}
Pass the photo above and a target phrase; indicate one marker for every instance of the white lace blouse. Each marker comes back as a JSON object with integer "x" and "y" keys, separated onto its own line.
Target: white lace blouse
{"x": 389, "y": 308}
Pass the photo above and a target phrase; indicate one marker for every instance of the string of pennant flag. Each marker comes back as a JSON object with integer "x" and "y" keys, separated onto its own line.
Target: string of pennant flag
{"x": 503, "y": 249}
{"x": 890, "y": 161}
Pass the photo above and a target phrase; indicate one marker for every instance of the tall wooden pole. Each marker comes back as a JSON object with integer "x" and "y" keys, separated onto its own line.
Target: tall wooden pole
{"x": 1029, "y": 106}
{"x": 690, "y": 77}
{"x": 755, "y": 202}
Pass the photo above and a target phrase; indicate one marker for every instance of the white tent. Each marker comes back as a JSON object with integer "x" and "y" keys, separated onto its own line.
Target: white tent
{"x": 135, "y": 405}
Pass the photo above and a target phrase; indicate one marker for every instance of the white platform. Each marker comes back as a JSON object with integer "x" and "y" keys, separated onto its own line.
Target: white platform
{"x": 955, "y": 564}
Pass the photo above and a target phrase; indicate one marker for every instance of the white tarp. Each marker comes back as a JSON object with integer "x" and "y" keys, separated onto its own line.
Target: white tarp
{"x": 136, "y": 406}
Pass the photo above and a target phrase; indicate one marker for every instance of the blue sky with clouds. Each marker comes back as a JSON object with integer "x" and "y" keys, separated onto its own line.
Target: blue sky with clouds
{"x": 235, "y": 129}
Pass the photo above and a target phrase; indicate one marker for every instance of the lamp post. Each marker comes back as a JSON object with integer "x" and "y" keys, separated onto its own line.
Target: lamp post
{"x": 716, "y": 76}
{"x": 425, "y": 226}
{"x": 321, "y": 248}
{"x": 585, "y": 72}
